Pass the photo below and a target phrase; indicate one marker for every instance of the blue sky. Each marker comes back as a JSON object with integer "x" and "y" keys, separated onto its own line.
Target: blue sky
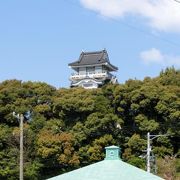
{"x": 38, "y": 38}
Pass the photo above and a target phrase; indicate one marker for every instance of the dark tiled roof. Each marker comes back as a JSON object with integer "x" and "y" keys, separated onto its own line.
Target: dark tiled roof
{"x": 91, "y": 58}
{"x": 88, "y": 58}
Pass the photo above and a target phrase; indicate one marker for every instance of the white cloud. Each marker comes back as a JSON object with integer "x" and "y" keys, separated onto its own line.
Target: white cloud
{"x": 162, "y": 15}
{"x": 154, "y": 56}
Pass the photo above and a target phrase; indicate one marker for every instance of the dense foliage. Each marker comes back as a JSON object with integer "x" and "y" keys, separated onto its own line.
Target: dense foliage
{"x": 71, "y": 127}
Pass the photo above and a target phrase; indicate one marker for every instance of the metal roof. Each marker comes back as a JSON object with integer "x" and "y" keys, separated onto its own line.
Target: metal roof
{"x": 108, "y": 169}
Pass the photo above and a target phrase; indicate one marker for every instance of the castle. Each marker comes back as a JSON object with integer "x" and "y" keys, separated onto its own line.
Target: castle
{"x": 93, "y": 69}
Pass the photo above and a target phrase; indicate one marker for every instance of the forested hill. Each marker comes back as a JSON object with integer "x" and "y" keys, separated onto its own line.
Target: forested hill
{"x": 70, "y": 127}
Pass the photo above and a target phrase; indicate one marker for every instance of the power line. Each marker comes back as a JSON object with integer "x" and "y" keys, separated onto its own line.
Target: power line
{"x": 130, "y": 26}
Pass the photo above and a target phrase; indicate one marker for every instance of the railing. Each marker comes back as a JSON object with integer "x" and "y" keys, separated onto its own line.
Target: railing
{"x": 90, "y": 75}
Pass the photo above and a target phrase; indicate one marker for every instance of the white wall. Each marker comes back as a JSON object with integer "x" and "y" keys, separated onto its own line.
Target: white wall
{"x": 98, "y": 69}
{"x": 82, "y": 70}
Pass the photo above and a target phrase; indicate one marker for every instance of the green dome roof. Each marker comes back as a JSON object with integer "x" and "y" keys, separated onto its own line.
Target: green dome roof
{"x": 112, "y": 168}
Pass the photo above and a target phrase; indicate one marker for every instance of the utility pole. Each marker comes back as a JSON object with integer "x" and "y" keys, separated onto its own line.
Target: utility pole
{"x": 149, "y": 150}
{"x": 21, "y": 120}
{"x": 21, "y": 148}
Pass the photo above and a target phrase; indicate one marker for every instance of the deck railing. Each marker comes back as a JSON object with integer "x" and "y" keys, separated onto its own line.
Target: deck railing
{"x": 76, "y": 76}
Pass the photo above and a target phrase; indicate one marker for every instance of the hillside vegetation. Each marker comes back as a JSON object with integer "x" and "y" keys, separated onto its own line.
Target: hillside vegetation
{"x": 70, "y": 127}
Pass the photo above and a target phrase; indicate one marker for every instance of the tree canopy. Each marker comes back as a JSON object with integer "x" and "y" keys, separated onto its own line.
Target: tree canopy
{"x": 69, "y": 128}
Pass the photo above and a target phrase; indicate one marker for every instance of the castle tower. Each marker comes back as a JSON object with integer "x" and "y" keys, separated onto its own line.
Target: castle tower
{"x": 93, "y": 69}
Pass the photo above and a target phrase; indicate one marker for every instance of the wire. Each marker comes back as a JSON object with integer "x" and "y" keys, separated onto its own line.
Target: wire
{"x": 130, "y": 26}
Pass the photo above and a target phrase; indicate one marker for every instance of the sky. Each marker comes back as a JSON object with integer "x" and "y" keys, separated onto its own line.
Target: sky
{"x": 38, "y": 38}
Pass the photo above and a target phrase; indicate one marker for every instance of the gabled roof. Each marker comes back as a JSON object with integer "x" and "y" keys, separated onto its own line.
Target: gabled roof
{"x": 108, "y": 169}
{"x": 93, "y": 58}
{"x": 85, "y": 80}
